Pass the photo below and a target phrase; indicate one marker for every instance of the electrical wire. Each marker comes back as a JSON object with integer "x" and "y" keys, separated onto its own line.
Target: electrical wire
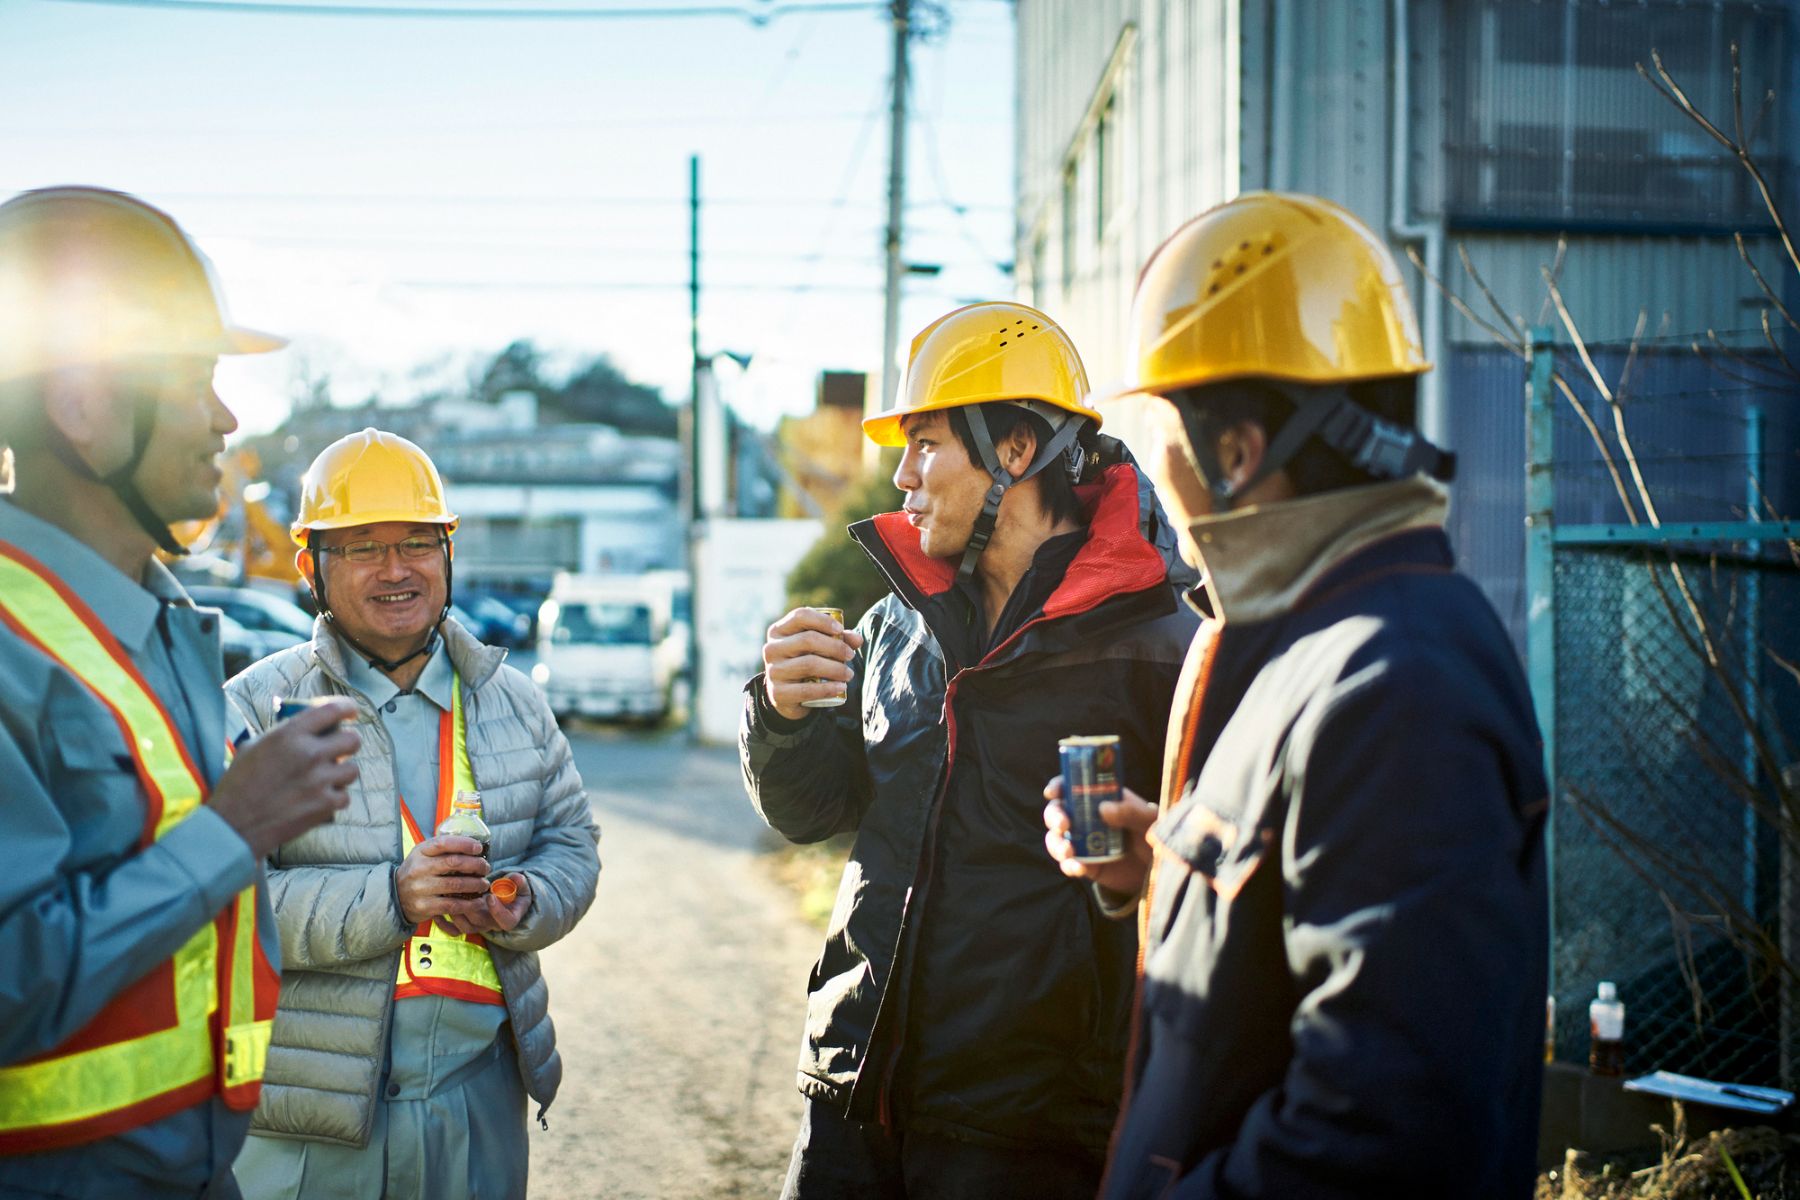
{"x": 760, "y": 15}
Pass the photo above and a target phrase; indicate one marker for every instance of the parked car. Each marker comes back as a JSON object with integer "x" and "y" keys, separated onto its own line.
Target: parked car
{"x": 256, "y": 609}
{"x": 252, "y": 624}
{"x": 242, "y": 646}
{"x": 492, "y": 620}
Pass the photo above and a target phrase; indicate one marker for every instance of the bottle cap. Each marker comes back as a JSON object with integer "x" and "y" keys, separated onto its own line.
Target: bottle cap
{"x": 1608, "y": 991}
{"x": 504, "y": 889}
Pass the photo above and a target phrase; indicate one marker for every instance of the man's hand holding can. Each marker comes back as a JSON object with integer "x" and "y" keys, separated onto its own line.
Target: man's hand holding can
{"x": 1130, "y": 813}
{"x": 807, "y": 659}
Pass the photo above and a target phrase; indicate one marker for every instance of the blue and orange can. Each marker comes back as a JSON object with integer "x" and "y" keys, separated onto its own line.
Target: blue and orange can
{"x": 1090, "y": 778}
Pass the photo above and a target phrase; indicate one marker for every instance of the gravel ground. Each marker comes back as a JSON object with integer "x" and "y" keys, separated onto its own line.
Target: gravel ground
{"x": 679, "y": 1000}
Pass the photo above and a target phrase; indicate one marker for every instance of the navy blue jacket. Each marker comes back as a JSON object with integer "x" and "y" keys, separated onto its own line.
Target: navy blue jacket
{"x": 1347, "y": 937}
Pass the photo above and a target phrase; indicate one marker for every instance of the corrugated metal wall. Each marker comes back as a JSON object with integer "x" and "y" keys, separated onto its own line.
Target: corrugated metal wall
{"x": 1171, "y": 134}
{"x": 1690, "y": 284}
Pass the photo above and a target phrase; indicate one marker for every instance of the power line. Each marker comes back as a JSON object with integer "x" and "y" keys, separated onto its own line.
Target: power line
{"x": 762, "y": 14}
{"x": 441, "y": 200}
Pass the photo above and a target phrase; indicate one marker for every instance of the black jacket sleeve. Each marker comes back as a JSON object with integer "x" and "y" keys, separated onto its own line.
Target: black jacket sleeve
{"x": 809, "y": 779}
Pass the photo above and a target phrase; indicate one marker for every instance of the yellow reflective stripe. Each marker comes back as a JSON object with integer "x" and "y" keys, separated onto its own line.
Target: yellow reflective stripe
{"x": 453, "y": 957}
{"x": 36, "y": 606}
{"x": 464, "y": 778}
{"x": 246, "y": 1038}
{"x": 247, "y": 1051}
{"x": 92, "y": 1083}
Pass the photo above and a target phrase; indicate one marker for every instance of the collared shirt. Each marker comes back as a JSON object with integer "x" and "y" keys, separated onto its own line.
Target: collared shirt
{"x": 411, "y": 719}
{"x": 75, "y": 813}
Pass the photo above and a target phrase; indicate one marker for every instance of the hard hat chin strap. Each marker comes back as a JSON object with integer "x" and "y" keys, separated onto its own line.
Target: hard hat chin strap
{"x": 1049, "y": 452}
{"x": 1373, "y": 445}
{"x": 122, "y": 482}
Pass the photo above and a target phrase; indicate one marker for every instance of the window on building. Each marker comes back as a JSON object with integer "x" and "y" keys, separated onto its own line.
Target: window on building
{"x": 1547, "y": 122}
{"x": 1070, "y": 196}
{"x": 1038, "y": 282}
{"x": 1106, "y": 152}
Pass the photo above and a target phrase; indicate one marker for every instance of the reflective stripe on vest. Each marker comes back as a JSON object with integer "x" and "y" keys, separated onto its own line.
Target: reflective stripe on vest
{"x": 436, "y": 962}
{"x": 159, "y": 1046}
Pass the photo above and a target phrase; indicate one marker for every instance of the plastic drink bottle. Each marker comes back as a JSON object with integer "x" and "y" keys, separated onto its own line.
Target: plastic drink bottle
{"x": 1606, "y": 1029}
{"x": 465, "y": 820}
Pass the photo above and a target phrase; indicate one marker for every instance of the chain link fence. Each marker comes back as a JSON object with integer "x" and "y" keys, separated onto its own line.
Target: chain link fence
{"x": 1673, "y": 716}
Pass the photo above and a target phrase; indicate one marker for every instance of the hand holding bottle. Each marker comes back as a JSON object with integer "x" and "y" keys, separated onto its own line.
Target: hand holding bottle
{"x": 442, "y": 877}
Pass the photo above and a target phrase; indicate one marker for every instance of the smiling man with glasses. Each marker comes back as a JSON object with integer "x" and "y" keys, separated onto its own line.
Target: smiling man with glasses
{"x": 413, "y": 1019}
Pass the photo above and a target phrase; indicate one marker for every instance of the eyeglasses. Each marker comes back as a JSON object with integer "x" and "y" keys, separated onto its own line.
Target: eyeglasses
{"x": 371, "y": 551}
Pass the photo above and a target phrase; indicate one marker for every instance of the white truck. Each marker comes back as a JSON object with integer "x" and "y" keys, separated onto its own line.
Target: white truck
{"x": 613, "y": 646}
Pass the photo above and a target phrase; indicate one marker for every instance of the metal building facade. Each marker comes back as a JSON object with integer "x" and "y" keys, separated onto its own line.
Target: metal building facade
{"x": 1134, "y": 115}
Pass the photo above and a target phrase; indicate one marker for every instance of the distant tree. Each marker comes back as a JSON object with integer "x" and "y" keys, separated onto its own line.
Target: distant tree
{"x": 518, "y": 368}
{"x": 836, "y": 571}
{"x": 601, "y": 392}
{"x": 596, "y": 393}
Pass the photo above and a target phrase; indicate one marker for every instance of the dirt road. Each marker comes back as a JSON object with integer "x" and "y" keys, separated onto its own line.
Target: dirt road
{"x": 679, "y": 1001}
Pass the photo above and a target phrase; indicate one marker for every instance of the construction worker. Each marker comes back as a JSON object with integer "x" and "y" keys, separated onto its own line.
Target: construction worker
{"x": 414, "y": 1018}
{"x": 138, "y": 948}
{"x": 1031, "y": 601}
{"x": 1345, "y": 933}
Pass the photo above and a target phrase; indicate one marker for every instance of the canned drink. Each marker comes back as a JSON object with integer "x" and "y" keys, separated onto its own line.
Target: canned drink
{"x": 836, "y": 614}
{"x": 285, "y": 708}
{"x": 1090, "y": 775}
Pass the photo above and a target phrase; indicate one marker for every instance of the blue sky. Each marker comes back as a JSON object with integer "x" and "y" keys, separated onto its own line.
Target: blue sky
{"x": 405, "y": 196}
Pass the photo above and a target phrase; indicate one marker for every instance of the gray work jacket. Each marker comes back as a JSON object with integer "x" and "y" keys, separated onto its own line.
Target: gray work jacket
{"x": 333, "y": 889}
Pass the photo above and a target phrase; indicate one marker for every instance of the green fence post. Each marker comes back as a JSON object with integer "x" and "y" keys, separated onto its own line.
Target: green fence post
{"x": 1753, "y": 448}
{"x": 1540, "y": 581}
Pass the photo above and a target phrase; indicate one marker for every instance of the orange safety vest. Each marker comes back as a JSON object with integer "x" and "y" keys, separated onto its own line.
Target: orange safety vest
{"x": 434, "y": 962}
{"x": 198, "y": 1024}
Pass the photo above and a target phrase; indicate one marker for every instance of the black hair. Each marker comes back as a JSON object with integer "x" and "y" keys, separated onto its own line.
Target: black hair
{"x": 1056, "y": 492}
{"x": 1316, "y": 467}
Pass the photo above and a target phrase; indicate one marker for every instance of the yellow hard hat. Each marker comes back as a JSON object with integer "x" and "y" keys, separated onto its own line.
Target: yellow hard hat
{"x": 368, "y": 477}
{"x": 994, "y": 350}
{"x": 1271, "y": 285}
{"x": 93, "y": 276}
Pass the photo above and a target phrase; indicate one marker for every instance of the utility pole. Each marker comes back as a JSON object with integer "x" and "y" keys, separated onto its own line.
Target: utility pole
{"x": 694, "y": 364}
{"x": 901, "y": 11}
{"x": 691, "y": 500}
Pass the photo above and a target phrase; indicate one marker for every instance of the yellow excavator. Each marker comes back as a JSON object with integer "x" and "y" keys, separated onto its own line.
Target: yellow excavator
{"x": 256, "y": 541}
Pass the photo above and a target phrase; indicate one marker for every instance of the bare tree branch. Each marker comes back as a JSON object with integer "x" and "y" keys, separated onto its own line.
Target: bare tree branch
{"x": 1518, "y": 347}
{"x": 1556, "y": 269}
{"x": 1774, "y": 344}
{"x": 1512, "y": 325}
{"x": 1768, "y": 292}
{"x": 1672, "y": 92}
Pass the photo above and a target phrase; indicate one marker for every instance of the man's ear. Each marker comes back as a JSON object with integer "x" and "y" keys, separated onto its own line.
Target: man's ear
{"x": 1018, "y": 448}
{"x": 78, "y": 403}
{"x": 303, "y": 563}
{"x": 1242, "y": 449}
